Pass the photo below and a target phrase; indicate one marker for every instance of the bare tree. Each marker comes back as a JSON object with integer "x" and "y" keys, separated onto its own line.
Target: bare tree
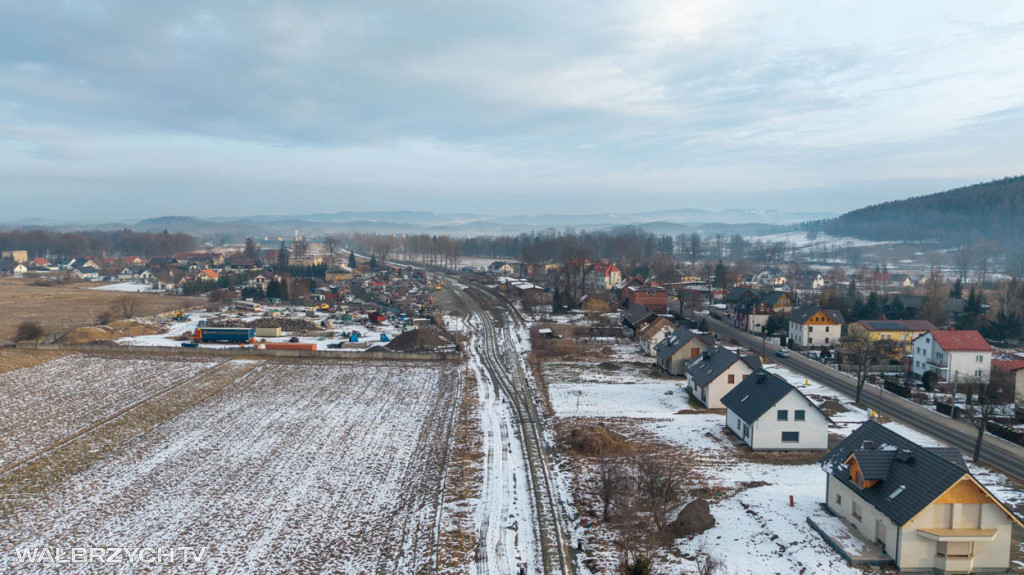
{"x": 300, "y": 248}
{"x": 332, "y": 243}
{"x": 694, "y": 248}
{"x": 611, "y": 481}
{"x": 986, "y": 399}
{"x": 657, "y": 488}
{"x": 963, "y": 259}
{"x": 860, "y": 353}
{"x": 707, "y": 564}
{"x": 127, "y": 305}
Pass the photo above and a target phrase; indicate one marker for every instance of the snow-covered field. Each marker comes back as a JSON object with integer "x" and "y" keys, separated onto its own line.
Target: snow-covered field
{"x": 371, "y": 334}
{"x": 293, "y": 467}
{"x": 45, "y": 403}
{"x": 126, "y": 287}
{"x": 756, "y": 531}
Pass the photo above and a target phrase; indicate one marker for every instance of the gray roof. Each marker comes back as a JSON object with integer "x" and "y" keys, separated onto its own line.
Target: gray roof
{"x": 802, "y": 314}
{"x": 713, "y": 362}
{"x": 737, "y": 293}
{"x": 674, "y": 341}
{"x": 894, "y": 461}
{"x": 636, "y": 313}
{"x": 756, "y": 394}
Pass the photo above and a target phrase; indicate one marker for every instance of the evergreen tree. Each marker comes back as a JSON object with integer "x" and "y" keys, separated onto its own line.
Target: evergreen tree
{"x": 851, "y": 292}
{"x": 721, "y": 275}
{"x": 373, "y": 262}
{"x": 875, "y": 306}
{"x": 957, "y": 291}
{"x": 974, "y": 311}
{"x": 274, "y": 289}
{"x": 283, "y": 257}
{"x": 352, "y": 260}
{"x": 1006, "y": 325}
{"x": 251, "y": 251}
{"x": 896, "y": 308}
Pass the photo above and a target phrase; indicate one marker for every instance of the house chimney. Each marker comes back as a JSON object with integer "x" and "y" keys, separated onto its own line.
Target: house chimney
{"x": 905, "y": 455}
{"x": 867, "y": 445}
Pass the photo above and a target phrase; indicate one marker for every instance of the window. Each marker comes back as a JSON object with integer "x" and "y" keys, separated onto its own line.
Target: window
{"x": 839, "y": 499}
{"x": 799, "y": 415}
{"x": 810, "y": 328}
{"x": 790, "y": 436}
{"x": 783, "y": 415}
{"x": 810, "y": 340}
{"x": 826, "y": 329}
{"x": 732, "y": 378}
{"x": 979, "y": 359}
{"x": 978, "y": 373}
{"x": 856, "y": 511}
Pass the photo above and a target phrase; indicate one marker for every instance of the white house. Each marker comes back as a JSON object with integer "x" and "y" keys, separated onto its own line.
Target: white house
{"x": 956, "y": 355}
{"x": 769, "y": 277}
{"x": 814, "y": 326}
{"x": 920, "y": 503}
{"x": 716, "y": 372}
{"x": 604, "y": 277}
{"x": 768, "y": 413}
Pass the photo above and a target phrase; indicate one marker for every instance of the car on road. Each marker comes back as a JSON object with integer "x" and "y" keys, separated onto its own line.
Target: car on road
{"x": 782, "y": 352}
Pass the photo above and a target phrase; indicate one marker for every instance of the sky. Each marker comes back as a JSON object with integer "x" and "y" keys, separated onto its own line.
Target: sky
{"x": 117, "y": 109}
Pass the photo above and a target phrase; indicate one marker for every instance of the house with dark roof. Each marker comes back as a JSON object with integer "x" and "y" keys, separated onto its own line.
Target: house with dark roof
{"x": 636, "y": 318}
{"x": 716, "y": 372}
{"x": 737, "y": 295}
{"x": 654, "y": 333}
{"x": 814, "y": 326}
{"x": 779, "y": 301}
{"x": 920, "y": 503}
{"x": 956, "y": 355}
{"x": 679, "y": 348}
{"x": 768, "y": 413}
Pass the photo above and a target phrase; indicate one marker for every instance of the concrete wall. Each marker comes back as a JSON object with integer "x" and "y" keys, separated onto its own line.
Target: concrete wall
{"x": 813, "y": 430}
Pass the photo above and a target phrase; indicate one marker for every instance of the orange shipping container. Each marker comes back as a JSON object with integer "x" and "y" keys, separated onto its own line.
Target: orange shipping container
{"x": 293, "y": 346}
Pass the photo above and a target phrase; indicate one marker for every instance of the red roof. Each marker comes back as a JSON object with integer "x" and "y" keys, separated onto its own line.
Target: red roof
{"x": 1008, "y": 364}
{"x": 961, "y": 340}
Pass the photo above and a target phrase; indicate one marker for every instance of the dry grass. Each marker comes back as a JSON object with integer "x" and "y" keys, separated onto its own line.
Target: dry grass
{"x": 12, "y": 359}
{"x": 457, "y": 547}
{"x": 61, "y": 308}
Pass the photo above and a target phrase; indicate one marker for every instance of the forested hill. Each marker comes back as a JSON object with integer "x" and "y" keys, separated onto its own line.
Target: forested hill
{"x": 990, "y": 211}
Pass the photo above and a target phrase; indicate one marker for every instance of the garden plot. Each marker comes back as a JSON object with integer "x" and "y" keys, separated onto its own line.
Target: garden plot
{"x": 47, "y": 402}
{"x": 294, "y": 467}
{"x": 757, "y": 530}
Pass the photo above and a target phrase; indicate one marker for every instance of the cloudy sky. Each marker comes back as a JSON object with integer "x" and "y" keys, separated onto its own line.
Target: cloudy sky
{"x": 119, "y": 109}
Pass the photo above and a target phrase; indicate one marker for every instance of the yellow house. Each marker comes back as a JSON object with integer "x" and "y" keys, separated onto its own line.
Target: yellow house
{"x": 901, "y": 331}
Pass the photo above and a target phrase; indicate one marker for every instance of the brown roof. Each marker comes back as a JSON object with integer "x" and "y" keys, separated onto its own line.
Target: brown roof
{"x": 1008, "y": 364}
{"x": 961, "y": 340}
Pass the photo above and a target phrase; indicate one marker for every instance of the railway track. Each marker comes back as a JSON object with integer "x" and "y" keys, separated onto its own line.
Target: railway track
{"x": 501, "y": 358}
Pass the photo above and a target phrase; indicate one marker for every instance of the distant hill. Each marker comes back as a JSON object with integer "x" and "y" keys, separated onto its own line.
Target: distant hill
{"x": 990, "y": 211}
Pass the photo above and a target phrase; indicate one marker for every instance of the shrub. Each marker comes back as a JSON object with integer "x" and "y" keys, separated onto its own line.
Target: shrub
{"x": 29, "y": 331}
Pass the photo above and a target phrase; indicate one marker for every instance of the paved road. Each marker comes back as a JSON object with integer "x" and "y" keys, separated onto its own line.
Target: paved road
{"x": 998, "y": 453}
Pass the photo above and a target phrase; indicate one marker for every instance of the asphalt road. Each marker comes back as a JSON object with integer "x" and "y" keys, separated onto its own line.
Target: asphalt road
{"x": 995, "y": 452}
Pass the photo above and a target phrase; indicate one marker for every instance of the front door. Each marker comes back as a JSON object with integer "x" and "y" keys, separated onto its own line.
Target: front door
{"x": 880, "y": 531}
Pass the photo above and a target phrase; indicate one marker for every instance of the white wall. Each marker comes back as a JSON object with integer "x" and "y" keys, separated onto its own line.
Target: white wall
{"x": 813, "y": 430}
{"x": 720, "y": 386}
{"x": 870, "y": 517}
